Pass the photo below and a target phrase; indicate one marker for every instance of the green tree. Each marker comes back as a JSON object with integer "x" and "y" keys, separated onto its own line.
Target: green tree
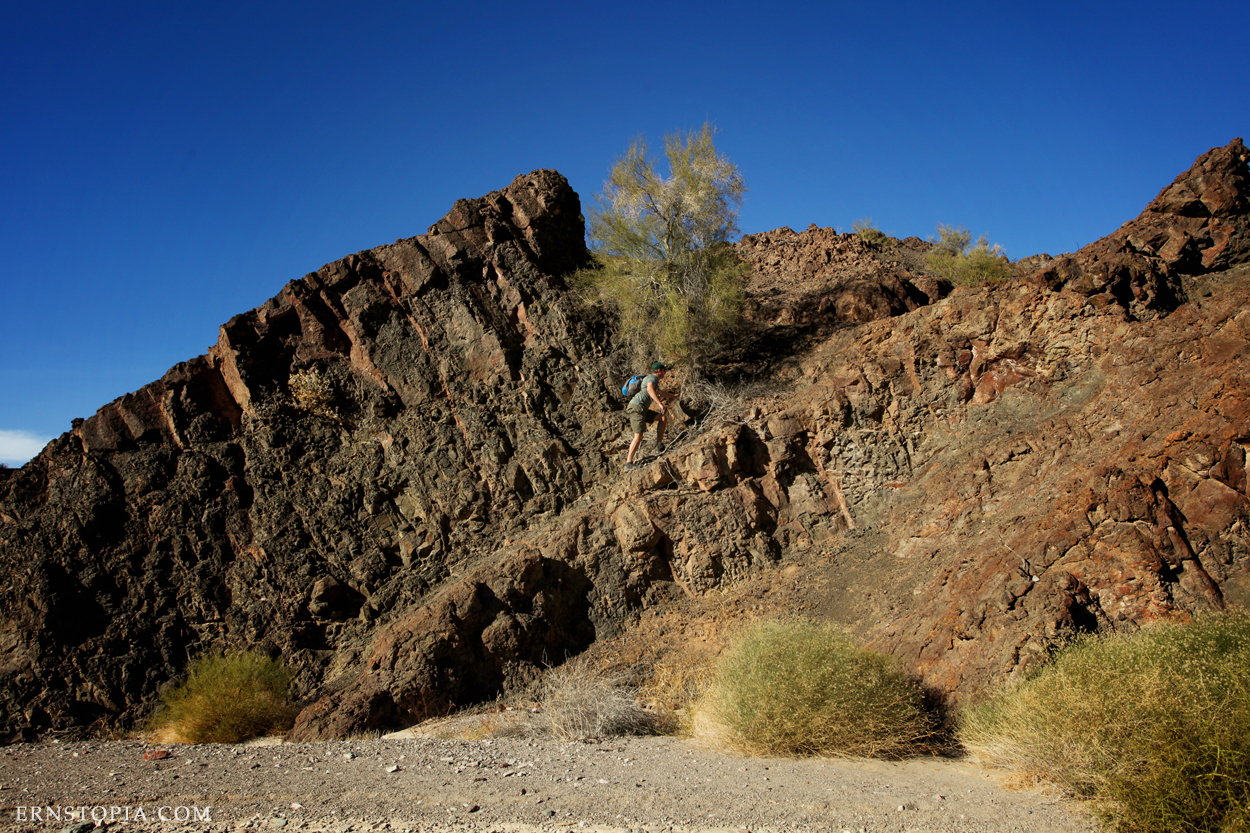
{"x": 955, "y": 258}
{"x": 661, "y": 245}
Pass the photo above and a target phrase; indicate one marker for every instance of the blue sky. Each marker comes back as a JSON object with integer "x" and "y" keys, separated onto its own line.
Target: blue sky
{"x": 166, "y": 166}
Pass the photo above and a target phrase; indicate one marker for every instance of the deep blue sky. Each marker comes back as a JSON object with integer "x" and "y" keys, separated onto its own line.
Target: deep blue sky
{"x": 166, "y": 166}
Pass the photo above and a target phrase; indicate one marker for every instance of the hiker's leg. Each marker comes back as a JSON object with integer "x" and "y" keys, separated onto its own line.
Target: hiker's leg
{"x": 659, "y": 429}
{"x": 633, "y": 448}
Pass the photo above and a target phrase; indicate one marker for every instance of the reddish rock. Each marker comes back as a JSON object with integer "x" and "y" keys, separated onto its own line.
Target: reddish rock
{"x": 1198, "y": 224}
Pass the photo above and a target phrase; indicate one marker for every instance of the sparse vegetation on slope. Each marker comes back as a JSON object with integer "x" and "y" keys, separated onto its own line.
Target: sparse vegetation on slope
{"x": 226, "y": 698}
{"x": 870, "y": 233}
{"x": 800, "y": 689}
{"x": 1153, "y": 726}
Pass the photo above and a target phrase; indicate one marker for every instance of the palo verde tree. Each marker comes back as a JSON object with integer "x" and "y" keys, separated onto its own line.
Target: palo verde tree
{"x": 661, "y": 243}
{"x": 955, "y": 258}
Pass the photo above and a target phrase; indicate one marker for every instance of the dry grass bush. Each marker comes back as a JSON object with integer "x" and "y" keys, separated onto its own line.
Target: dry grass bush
{"x": 581, "y": 702}
{"x": 791, "y": 688}
{"x": 1154, "y": 727}
{"x": 226, "y": 698}
{"x": 668, "y": 656}
{"x": 312, "y": 392}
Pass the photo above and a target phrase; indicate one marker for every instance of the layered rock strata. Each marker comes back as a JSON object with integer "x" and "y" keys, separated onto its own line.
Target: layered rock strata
{"x": 340, "y": 451}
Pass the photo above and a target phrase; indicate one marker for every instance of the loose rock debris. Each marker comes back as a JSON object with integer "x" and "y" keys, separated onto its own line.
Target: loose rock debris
{"x": 506, "y": 785}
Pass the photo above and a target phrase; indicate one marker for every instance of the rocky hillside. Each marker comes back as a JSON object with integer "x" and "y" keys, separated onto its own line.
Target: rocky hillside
{"x": 402, "y": 473}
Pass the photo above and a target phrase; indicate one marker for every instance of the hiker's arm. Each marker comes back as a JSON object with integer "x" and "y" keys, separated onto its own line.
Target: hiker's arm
{"x": 656, "y": 397}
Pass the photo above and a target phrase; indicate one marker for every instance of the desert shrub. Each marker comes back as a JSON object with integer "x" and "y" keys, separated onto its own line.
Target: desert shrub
{"x": 1154, "y": 726}
{"x": 226, "y": 698}
{"x": 312, "y": 392}
{"x": 783, "y": 688}
{"x": 582, "y": 702}
{"x": 869, "y": 233}
{"x": 955, "y": 258}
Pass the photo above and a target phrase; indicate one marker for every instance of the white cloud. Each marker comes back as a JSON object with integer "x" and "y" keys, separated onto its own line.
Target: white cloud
{"x": 16, "y": 447}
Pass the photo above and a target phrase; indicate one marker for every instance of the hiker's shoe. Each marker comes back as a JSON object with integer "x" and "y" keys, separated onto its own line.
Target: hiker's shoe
{"x": 660, "y": 448}
{"x": 631, "y": 466}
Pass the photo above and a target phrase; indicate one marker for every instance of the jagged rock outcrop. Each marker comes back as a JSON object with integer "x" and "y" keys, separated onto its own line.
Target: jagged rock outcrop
{"x": 803, "y": 285}
{"x": 1198, "y": 224}
{"x": 400, "y": 472}
{"x": 341, "y": 450}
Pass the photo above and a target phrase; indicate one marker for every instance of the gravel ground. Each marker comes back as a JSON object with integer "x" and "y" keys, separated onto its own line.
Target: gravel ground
{"x": 510, "y": 785}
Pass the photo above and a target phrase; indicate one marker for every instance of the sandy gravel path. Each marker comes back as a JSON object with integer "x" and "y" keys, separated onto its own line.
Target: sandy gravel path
{"x": 507, "y": 785}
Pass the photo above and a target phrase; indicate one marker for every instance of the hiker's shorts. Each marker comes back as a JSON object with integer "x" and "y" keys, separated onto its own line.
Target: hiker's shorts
{"x": 640, "y": 418}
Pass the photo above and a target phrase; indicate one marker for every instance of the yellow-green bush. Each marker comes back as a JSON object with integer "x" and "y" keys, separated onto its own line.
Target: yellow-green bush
{"x": 1154, "y": 726}
{"x": 226, "y": 698}
{"x": 663, "y": 262}
{"x": 956, "y": 259}
{"x": 869, "y": 233}
{"x": 785, "y": 688}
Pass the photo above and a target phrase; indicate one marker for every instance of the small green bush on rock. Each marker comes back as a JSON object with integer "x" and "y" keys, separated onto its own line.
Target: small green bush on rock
{"x": 955, "y": 258}
{"x": 869, "y": 233}
{"x": 226, "y": 698}
{"x": 801, "y": 689}
{"x": 1154, "y": 727}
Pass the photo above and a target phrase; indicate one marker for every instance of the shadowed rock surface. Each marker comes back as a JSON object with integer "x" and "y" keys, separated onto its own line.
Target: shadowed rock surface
{"x": 402, "y": 472}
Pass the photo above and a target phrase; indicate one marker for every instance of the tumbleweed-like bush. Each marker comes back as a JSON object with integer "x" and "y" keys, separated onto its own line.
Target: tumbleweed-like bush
{"x": 226, "y": 698}
{"x": 582, "y": 702}
{"x": 788, "y": 688}
{"x": 1154, "y": 726}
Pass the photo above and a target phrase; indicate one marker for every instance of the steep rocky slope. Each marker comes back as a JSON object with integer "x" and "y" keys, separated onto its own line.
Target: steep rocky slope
{"x": 402, "y": 472}
{"x": 339, "y": 452}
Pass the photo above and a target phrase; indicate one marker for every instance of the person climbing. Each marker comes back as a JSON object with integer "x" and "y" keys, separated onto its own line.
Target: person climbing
{"x": 640, "y": 413}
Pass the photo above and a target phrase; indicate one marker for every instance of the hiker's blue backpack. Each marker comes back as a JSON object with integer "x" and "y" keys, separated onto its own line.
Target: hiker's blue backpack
{"x": 632, "y": 385}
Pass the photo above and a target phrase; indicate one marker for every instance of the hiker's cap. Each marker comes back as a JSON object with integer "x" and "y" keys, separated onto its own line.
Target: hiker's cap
{"x": 660, "y": 366}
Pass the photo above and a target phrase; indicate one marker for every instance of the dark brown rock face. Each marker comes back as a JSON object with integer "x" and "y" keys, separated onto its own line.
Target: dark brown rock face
{"x": 342, "y": 449}
{"x": 1067, "y": 468}
{"x": 402, "y": 472}
{"x": 1198, "y": 224}
{"x": 965, "y": 483}
{"x": 804, "y": 285}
